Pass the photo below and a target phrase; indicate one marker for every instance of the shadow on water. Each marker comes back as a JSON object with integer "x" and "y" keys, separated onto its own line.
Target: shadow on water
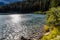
{"x": 13, "y": 13}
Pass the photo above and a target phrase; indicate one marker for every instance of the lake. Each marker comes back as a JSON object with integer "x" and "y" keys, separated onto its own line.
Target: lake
{"x": 14, "y": 26}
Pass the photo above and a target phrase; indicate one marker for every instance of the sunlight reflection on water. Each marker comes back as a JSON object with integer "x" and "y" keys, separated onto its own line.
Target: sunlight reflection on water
{"x": 17, "y": 25}
{"x": 15, "y": 18}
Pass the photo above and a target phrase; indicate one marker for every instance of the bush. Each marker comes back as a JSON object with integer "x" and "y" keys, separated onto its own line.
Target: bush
{"x": 51, "y": 36}
{"x": 53, "y": 22}
{"x": 53, "y": 16}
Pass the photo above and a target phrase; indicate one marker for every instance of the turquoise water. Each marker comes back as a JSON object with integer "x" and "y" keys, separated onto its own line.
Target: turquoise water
{"x": 13, "y": 26}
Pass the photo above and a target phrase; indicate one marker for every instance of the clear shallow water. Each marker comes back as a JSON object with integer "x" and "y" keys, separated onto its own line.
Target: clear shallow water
{"x": 12, "y": 27}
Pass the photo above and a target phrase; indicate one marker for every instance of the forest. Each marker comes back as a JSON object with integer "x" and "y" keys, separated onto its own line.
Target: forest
{"x": 28, "y": 6}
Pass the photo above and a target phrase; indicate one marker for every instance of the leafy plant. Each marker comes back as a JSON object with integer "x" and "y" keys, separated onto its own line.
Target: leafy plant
{"x": 53, "y": 16}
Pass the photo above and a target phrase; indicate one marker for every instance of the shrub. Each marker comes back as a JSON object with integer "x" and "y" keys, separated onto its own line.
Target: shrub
{"x": 53, "y": 16}
{"x": 51, "y": 36}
